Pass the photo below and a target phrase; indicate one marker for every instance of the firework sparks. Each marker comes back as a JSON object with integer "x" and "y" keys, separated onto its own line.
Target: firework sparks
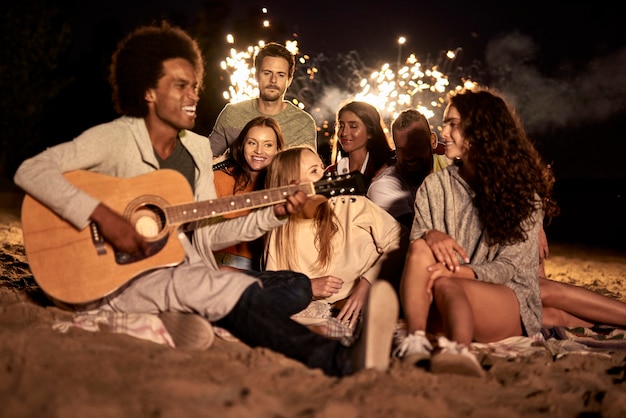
{"x": 391, "y": 89}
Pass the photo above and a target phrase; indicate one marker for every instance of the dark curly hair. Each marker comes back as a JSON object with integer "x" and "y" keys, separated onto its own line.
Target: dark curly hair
{"x": 241, "y": 170}
{"x": 137, "y": 64}
{"x": 511, "y": 180}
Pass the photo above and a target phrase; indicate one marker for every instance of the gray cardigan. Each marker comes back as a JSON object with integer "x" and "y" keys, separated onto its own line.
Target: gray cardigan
{"x": 444, "y": 203}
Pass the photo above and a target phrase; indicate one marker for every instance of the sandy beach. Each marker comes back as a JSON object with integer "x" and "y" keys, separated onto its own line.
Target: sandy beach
{"x": 79, "y": 373}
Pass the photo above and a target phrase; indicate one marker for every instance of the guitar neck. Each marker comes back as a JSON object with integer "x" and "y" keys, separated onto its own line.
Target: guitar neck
{"x": 197, "y": 211}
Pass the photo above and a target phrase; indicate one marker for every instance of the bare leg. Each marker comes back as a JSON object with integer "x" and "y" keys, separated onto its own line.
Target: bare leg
{"x": 467, "y": 309}
{"x": 413, "y": 296}
{"x": 465, "y": 306}
{"x": 574, "y": 306}
{"x": 455, "y": 310}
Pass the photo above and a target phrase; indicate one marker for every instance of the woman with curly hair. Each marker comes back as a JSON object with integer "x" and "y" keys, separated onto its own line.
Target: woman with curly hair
{"x": 361, "y": 143}
{"x": 471, "y": 272}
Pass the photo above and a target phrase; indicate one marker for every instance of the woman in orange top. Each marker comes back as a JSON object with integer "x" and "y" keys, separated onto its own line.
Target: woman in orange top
{"x": 252, "y": 152}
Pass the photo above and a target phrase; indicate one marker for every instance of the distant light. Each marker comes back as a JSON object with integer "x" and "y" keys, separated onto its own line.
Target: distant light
{"x": 266, "y": 23}
{"x": 264, "y": 10}
{"x": 230, "y": 39}
{"x": 401, "y": 40}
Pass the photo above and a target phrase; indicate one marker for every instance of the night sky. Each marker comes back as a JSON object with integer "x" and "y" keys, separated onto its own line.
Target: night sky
{"x": 563, "y": 67}
{"x": 566, "y": 65}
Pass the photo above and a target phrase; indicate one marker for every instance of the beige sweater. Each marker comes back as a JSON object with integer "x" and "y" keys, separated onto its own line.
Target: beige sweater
{"x": 369, "y": 244}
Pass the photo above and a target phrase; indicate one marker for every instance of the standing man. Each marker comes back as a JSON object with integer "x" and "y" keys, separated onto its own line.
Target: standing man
{"x": 156, "y": 73}
{"x": 275, "y": 67}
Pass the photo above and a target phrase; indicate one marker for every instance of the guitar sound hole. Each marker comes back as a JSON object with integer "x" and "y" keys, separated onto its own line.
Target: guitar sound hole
{"x": 148, "y": 220}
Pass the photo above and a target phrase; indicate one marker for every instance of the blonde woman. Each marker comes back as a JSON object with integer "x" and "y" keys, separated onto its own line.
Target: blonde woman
{"x": 343, "y": 244}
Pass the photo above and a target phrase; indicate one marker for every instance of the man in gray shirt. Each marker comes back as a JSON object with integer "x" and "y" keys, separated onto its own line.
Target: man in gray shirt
{"x": 275, "y": 67}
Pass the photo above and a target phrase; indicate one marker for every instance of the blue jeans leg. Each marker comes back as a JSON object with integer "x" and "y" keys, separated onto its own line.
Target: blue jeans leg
{"x": 288, "y": 291}
{"x": 256, "y": 321}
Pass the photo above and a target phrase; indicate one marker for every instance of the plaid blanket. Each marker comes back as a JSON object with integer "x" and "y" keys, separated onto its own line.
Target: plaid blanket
{"x": 598, "y": 336}
{"x": 559, "y": 341}
{"x": 145, "y": 326}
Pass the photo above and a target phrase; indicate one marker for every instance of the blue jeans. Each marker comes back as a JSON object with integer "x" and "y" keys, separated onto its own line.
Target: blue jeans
{"x": 261, "y": 317}
{"x": 289, "y": 291}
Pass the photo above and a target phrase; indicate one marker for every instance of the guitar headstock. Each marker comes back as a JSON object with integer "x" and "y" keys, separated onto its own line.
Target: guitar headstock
{"x": 342, "y": 184}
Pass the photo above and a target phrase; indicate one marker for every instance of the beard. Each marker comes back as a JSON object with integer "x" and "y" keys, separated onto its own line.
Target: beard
{"x": 416, "y": 175}
{"x": 271, "y": 95}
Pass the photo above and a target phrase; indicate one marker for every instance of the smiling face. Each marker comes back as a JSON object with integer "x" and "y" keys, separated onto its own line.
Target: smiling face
{"x": 173, "y": 101}
{"x": 453, "y": 138}
{"x": 260, "y": 146}
{"x": 273, "y": 78}
{"x": 351, "y": 132}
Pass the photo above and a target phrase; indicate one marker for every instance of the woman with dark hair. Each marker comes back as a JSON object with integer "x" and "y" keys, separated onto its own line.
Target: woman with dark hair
{"x": 252, "y": 152}
{"x": 471, "y": 273}
{"x": 361, "y": 143}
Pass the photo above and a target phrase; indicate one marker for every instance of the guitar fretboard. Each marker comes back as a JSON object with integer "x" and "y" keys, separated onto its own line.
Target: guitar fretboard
{"x": 195, "y": 211}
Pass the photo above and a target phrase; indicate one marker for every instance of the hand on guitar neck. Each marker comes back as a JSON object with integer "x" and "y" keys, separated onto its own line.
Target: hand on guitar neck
{"x": 293, "y": 204}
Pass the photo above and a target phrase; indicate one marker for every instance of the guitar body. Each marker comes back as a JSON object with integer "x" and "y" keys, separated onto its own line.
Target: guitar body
{"x": 65, "y": 261}
{"x": 79, "y": 267}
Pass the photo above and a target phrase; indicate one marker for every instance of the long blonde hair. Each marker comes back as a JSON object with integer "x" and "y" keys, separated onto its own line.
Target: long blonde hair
{"x": 282, "y": 171}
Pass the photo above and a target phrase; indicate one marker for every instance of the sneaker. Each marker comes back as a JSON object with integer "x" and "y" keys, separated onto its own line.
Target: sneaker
{"x": 414, "y": 348}
{"x": 455, "y": 358}
{"x": 372, "y": 349}
{"x": 188, "y": 331}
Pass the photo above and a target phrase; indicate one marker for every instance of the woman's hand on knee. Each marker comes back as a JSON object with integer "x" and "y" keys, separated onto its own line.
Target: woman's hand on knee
{"x": 445, "y": 249}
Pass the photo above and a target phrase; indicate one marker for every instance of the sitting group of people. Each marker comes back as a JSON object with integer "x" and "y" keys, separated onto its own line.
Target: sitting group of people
{"x": 454, "y": 245}
{"x": 344, "y": 244}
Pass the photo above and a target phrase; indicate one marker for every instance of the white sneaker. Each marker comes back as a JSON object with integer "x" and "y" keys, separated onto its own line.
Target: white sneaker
{"x": 414, "y": 347}
{"x": 454, "y": 358}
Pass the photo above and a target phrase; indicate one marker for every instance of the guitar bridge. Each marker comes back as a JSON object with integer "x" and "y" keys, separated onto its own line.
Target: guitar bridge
{"x": 97, "y": 239}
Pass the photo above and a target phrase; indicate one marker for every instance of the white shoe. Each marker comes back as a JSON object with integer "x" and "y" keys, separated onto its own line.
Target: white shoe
{"x": 454, "y": 358}
{"x": 414, "y": 347}
{"x": 372, "y": 348}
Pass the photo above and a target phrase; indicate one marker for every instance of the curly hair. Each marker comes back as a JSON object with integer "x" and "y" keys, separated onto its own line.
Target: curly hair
{"x": 277, "y": 50}
{"x": 379, "y": 145}
{"x": 137, "y": 64}
{"x": 511, "y": 180}
{"x": 241, "y": 169}
{"x": 282, "y": 171}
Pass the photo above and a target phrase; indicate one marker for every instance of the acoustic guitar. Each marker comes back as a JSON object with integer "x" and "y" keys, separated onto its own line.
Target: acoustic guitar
{"x": 78, "y": 266}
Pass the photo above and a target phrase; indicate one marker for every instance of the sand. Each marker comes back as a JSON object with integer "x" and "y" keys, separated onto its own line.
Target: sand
{"x": 97, "y": 374}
